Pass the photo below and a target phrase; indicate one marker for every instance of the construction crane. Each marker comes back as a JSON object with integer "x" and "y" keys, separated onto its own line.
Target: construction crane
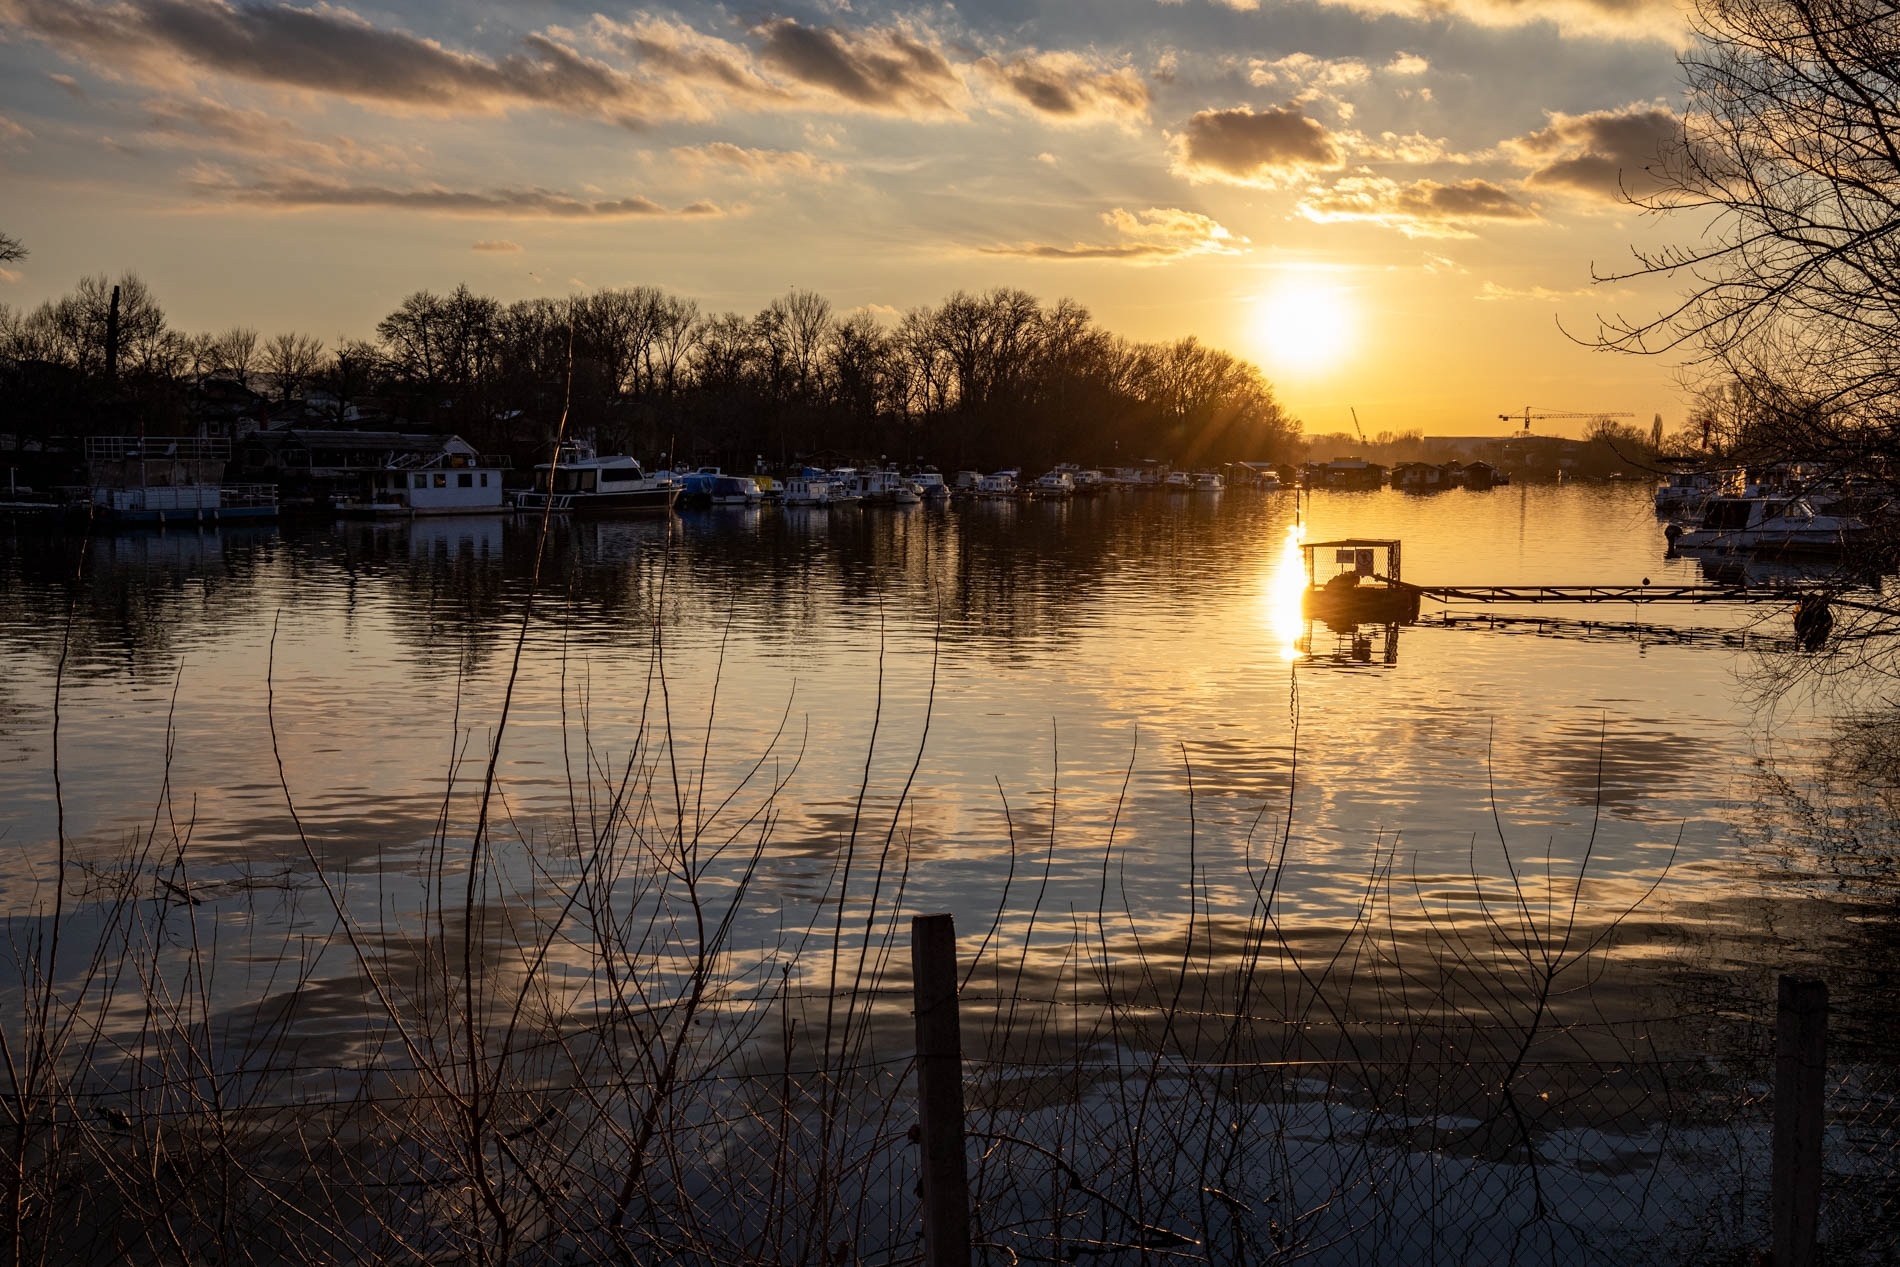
{"x": 1356, "y": 427}
{"x": 1527, "y": 416}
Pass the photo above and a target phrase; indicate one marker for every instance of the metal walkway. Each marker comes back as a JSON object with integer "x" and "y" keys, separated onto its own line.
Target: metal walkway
{"x": 1610, "y": 593}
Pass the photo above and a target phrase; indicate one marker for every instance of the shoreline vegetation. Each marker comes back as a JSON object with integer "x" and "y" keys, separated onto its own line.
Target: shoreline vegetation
{"x": 977, "y": 380}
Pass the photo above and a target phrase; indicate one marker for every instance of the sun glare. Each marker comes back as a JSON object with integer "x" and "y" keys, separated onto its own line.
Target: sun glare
{"x": 1305, "y": 327}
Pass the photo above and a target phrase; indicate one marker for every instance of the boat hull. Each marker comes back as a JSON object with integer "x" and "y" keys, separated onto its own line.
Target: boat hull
{"x": 637, "y": 501}
{"x": 1361, "y": 605}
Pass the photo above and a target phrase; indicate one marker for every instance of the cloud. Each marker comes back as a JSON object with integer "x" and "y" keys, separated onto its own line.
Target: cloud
{"x": 1068, "y": 87}
{"x": 1492, "y": 292}
{"x": 12, "y": 134}
{"x": 1265, "y": 150}
{"x": 498, "y": 246}
{"x": 761, "y": 164}
{"x": 1606, "y": 154}
{"x": 202, "y": 120}
{"x": 67, "y": 82}
{"x": 9, "y": 276}
{"x": 886, "y": 69}
{"x": 1659, "y": 20}
{"x": 1313, "y": 74}
{"x": 1407, "y": 64}
{"x": 1153, "y": 236}
{"x": 330, "y": 50}
{"x": 1421, "y": 209}
{"x": 295, "y": 192}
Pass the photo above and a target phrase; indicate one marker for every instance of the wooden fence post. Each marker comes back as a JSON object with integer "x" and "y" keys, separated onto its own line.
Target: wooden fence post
{"x": 1800, "y": 1086}
{"x": 946, "y": 1182}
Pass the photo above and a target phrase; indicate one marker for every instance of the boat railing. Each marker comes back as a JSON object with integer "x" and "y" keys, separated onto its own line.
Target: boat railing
{"x": 248, "y": 494}
{"x": 158, "y": 448}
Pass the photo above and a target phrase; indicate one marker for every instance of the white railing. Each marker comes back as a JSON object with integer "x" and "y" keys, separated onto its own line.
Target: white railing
{"x": 157, "y": 448}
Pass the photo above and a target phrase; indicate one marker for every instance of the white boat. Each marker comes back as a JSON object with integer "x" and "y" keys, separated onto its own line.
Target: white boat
{"x": 1056, "y": 484}
{"x": 1178, "y": 482}
{"x": 1766, "y": 525}
{"x": 1208, "y": 482}
{"x": 1686, "y": 490}
{"x": 578, "y": 482}
{"x": 1002, "y": 484}
{"x": 804, "y": 490}
{"x": 907, "y": 494}
{"x": 930, "y": 486}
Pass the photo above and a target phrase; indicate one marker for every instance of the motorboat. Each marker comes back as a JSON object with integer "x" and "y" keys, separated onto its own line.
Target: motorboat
{"x": 735, "y": 490}
{"x": 577, "y": 482}
{"x": 1056, "y": 484}
{"x": 1208, "y": 482}
{"x": 1766, "y": 525}
{"x": 1686, "y": 490}
{"x": 930, "y": 486}
{"x": 1178, "y": 482}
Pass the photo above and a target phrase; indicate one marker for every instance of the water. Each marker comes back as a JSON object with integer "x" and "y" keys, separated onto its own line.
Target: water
{"x": 1105, "y": 697}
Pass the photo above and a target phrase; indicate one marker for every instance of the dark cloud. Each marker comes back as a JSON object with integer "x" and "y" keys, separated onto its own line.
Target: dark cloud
{"x": 204, "y": 121}
{"x": 1423, "y": 208}
{"x": 1070, "y": 87}
{"x": 1266, "y": 149}
{"x": 299, "y": 193}
{"x": 329, "y": 50}
{"x": 879, "y": 69}
{"x": 1609, "y": 154}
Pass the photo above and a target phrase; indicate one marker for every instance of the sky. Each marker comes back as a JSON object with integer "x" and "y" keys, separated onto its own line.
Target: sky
{"x": 1398, "y": 207}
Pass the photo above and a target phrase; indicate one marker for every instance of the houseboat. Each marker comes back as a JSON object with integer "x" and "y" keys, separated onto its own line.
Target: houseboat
{"x": 137, "y": 480}
{"x": 578, "y": 482}
{"x": 449, "y": 484}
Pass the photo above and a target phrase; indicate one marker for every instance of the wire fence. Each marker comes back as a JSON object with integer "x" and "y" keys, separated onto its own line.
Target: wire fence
{"x": 1094, "y": 1132}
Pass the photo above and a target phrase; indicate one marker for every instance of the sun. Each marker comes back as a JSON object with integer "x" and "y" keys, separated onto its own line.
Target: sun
{"x": 1305, "y": 327}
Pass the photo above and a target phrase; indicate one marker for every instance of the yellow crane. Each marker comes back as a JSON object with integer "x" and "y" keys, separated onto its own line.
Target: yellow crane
{"x": 1528, "y": 416}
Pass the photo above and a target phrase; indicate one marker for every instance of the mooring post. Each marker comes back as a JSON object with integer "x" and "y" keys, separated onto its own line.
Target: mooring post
{"x": 946, "y": 1182}
{"x": 1800, "y": 1086}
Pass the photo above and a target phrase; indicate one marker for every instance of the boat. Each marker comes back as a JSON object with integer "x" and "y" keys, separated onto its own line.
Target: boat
{"x": 578, "y": 482}
{"x": 1766, "y": 525}
{"x": 906, "y": 494}
{"x": 734, "y": 490}
{"x": 1357, "y": 593}
{"x": 1686, "y": 490}
{"x": 807, "y": 490}
{"x": 1056, "y": 485}
{"x": 1208, "y": 482}
{"x": 995, "y": 487}
{"x": 930, "y": 486}
{"x": 1178, "y": 482}
{"x": 136, "y": 480}
{"x": 449, "y": 484}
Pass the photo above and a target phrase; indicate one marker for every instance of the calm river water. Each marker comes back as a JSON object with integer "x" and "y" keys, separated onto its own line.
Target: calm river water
{"x": 1054, "y": 673}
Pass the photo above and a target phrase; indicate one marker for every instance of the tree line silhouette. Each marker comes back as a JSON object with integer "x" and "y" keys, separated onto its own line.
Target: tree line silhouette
{"x": 977, "y": 380}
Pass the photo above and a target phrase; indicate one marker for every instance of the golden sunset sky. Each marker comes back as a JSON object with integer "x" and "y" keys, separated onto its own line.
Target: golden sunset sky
{"x": 1390, "y": 204}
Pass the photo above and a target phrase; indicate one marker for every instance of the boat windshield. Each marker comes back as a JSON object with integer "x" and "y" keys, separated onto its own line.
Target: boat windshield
{"x": 619, "y": 474}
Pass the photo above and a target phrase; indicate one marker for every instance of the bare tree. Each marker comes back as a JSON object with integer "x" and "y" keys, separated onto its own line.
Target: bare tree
{"x": 292, "y": 360}
{"x": 237, "y": 353}
{"x": 1791, "y": 146}
{"x": 11, "y": 249}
